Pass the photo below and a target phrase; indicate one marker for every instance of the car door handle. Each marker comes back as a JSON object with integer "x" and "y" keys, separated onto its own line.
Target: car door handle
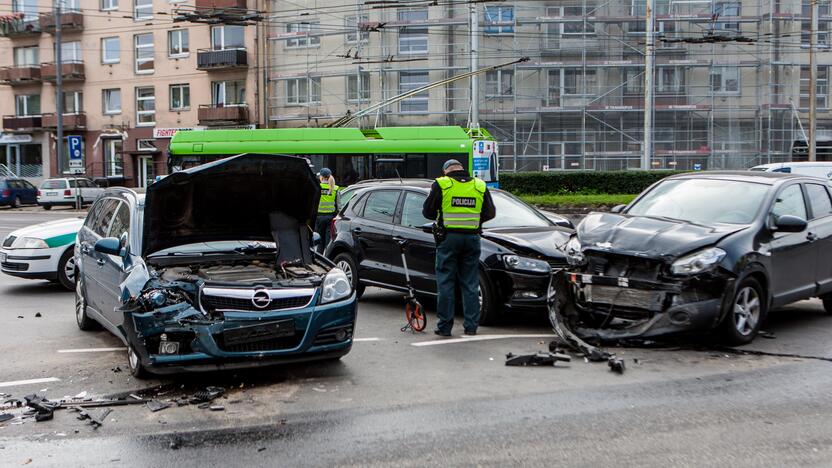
{"x": 357, "y": 230}
{"x": 85, "y": 248}
{"x": 100, "y": 261}
{"x": 811, "y": 237}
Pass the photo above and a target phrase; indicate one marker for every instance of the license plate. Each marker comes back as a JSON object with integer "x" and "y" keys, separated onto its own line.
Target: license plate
{"x": 259, "y": 332}
{"x": 51, "y": 194}
{"x": 2, "y": 257}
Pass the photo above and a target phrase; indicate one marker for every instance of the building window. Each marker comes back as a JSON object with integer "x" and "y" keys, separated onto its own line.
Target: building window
{"x": 145, "y": 106}
{"x": 303, "y": 39}
{"x": 555, "y": 88}
{"x": 638, "y": 9}
{"x": 413, "y": 39}
{"x": 26, "y": 105}
{"x": 70, "y": 6}
{"x": 302, "y": 91}
{"x": 228, "y": 93}
{"x": 499, "y": 20}
{"x": 113, "y": 157}
{"x": 109, "y": 5}
{"x": 110, "y": 50}
{"x": 726, "y": 10}
{"x": 351, "y": 24}
{"x": 670, "y": 80}
{"x": 633, "y": 81}
{"x": 499, "y": 83}
{"x": 409, "y": 81}
{"x": 178, "y": 43}
{"x": 574, "y": 22}
{"x": 146, "y": 145}
{"x": 73, "y": 102}
{"x": 111, "y": 101}
{"x": 577, "y": 81}
{"x": 821, "y": 87}
{"x": 358, "y": 87}
{"x": 29, "y": 8}
{"x": 71, "y": 52}
{"x": 26, "y": 56}
{"x": 180, "y": 97}
{"x": 142, "y": 9}
{"x": 144, "y": 53}
{"x": 228, "y": 37}
{"x": 822, "y": 34}
{"x": 725, "y": 80}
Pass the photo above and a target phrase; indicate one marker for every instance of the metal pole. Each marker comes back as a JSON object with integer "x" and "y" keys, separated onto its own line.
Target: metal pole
{"x": 475, "y": 45}
{"x": 59, "y": 98}
{"x": 813, "y": 77}
{"x": 649, "y": 57}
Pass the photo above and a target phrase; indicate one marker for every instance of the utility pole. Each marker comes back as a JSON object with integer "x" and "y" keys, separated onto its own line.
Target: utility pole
{"x": 649, "y": 57}
{"x": 475, "y": 46}
{"x": 813, "y": 78}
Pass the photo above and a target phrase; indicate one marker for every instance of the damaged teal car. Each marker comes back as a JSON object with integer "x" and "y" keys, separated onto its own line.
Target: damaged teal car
{"x": 213, "y": 269}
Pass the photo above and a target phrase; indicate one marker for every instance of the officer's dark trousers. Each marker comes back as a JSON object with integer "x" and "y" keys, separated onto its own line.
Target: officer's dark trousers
{"x": 322, "y": 224}
{"x": 457, "y": 263}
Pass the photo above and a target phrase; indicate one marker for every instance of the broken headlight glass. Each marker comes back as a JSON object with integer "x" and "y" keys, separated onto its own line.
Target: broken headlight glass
{"x": 574, "y": 254}
{"x": 336, "y": 286}
{"x": 697, "y": 262}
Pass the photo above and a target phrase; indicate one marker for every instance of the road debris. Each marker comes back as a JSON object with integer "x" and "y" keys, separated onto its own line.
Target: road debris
{"x": 95, "y": 421}
{"x": 38, "y": 315}
{"x": 766, "y": 334}
{"x": 616, "y": 365}
{"x": 44, "y": 409}
{"x": 217, "y": 408}
{"x": 5, "y": 417}
{"x": 116, "y": 369}
{"x": 541, "y": 358}
{"x": 207, "y": 395}
{"x": 156, "y": 405}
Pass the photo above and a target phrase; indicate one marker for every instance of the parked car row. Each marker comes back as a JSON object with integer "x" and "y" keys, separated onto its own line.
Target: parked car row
{"x": 15, "y": 192}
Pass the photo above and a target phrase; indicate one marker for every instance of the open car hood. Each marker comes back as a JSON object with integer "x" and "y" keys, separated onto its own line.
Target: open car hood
{"x": 230, "y": 199}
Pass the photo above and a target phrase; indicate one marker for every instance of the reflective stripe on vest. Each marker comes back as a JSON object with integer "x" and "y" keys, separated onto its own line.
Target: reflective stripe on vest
{"x": 461, "y": 202}
{"x": 327, "y": 203}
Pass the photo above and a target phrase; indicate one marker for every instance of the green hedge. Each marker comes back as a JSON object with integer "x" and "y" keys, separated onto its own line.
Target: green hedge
{"x": 580, "y": 182}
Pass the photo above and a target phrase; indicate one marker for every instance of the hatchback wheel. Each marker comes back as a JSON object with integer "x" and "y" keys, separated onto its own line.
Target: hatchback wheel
{"x": 66, "y": 270}
{"x": 489, "y": 309}
{"x": 747, "y": 310}
{"x": 47, "y": 207}
{"x": 345, "y": 262}
{"x": 16, "y": 202}
{"x": 134, "y": 362}
{"x": 827, "y": 303}
{"x": 84, "y": 321}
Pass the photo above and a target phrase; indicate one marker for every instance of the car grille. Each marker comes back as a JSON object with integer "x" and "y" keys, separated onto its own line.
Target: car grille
{"x": 15, "y": 266}
{"x": 623, "y": 266}
{"x": 231, "y": 303}
{"x": 9, "y": 241}
{"x": 625, "y": 297}
{"x": 273, "y": 344}
{"x": 327, "y": 336}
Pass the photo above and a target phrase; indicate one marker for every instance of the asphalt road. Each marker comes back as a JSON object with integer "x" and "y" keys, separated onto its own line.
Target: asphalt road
{"x": 441, "y": 403}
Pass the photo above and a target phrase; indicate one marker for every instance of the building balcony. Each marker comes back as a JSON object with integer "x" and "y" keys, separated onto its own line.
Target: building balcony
{"x": 70, "y": 21}
{"x": 26, "y": 123}
{"x": 72, "y": 71}
{"x": 220, "y": 4}
{"x": 207, "y": 59}
{"x": 73, "y": 121}
{"x": 16, "y": 26}
{"x": 20, "y": 75}
{"x": 222, "y": 115}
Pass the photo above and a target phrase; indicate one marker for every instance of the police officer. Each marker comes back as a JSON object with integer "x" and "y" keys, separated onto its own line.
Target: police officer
{"x": 326, "y": 207}
{"x": 460, "y": 204}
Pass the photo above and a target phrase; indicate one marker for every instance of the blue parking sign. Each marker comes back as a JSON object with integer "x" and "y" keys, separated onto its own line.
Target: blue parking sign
{"x": 76, "y": 153}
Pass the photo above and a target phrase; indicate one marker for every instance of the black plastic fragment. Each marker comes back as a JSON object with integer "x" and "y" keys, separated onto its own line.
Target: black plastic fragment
{"x": 5, "y": 417}
{"x": 616, "y": 365}
{"x": 541, "y": 358}
{"x": 209, "y": 394}
{"x": 44, "y": 409}
{"x": 156, "y": 405}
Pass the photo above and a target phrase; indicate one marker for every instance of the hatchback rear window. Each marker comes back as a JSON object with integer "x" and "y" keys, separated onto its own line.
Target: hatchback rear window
{"x": 53, "y": 184}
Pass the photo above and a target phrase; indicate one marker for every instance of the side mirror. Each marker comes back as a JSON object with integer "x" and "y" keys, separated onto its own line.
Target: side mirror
{"x": 109, "y": 246}
{"x": 789, "y": 223}
{"x": 618, "y": 208}
{"x": 427, "y": 227}
{"x": 316, "y": 239}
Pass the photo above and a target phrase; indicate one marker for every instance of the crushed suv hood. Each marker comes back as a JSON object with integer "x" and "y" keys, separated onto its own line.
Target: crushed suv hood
{"x": 230, "y": 199}
{"x": 536, "y": 241}
{"x": 647, "y": 237}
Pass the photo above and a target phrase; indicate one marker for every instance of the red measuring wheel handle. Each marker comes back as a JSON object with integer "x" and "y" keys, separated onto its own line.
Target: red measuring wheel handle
{"x": 415, "y": 317}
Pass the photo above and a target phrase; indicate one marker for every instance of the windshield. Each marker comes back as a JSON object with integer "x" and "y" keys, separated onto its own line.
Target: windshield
{"x": 215, "y": 247}
{"x": 704, "y": 201}
{"x": 53, "y": 184}
{"x": 512, "y": 212}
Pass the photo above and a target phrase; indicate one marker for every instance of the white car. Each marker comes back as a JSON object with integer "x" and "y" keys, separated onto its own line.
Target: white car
{"x": 822, "y": 169}
{"x": 43, "y": 251}
{"x": 63, "y": 192}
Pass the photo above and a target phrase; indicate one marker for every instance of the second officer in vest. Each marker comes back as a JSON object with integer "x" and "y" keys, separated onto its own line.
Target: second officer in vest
{"x": 460, "y": 204}
{"x": 326, "y": 207}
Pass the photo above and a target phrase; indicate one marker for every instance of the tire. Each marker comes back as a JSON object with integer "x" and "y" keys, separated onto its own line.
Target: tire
{"x": 827, "y": 303}
{"x": 134, "y": 363}
{"x": 67, "y": 270}
{"x": 16, "y": 202}
{"x": 83, "y": 320}
{"x": 489, "y": 309}
{"x": 347, "y": 263}
{"x": 47, "y": 207}
{"x": 746, "y": 313}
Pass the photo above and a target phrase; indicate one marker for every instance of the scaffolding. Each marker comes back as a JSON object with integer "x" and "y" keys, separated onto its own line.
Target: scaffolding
{"x": 731, "y": 84}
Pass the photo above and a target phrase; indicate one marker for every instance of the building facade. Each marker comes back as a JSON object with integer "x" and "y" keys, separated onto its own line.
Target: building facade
{"x": 731, "y": 77}
{"x": 132, "y": 75}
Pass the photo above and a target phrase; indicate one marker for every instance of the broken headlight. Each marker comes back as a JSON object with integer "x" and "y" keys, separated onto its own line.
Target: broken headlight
{"x": 29, "y": 243}
{"x": 573, "y": 252}
{"x": 336, "y": 286}
{"x": 697, "y": 262}
{"x": 516, "y": 262}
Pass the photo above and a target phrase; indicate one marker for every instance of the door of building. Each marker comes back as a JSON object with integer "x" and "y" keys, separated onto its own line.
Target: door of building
{"x": 145, "y": 174}
{"x": 13, "y": 158}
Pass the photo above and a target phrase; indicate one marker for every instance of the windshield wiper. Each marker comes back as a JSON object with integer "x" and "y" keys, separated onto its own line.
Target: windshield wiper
{"x": 678, "y": 220}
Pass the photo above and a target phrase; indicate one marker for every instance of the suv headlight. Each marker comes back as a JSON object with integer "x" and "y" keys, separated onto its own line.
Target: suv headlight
{"x": 516, "y": 262}
{"x": 697, "y": 262}
{"x": 29, "y": 243}
{"x": 336, "y": 286}
{"x": 574, "y": 254}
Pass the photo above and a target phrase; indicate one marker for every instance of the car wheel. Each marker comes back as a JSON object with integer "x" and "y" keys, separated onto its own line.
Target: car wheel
{"x": 66, "y": 270}
{"x": 47, "y": 207}
{"x": 345, "y": 262}
{"x": 827, "y": 303}
{"x": 84, "y": 321}
{"x": 746, "y": 313}
{"x": 134, "y": 362}
{"x": 489, "y": 310}
{"x": 16, "y": 202}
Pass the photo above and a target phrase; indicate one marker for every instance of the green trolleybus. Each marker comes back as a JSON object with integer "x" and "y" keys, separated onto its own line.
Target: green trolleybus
{"x": 352, "y": 154}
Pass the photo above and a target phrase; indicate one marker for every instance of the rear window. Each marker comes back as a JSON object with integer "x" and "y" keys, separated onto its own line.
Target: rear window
{"x": 53, "y": 184}
{"x": 381, "y": 206}
{"x": 819, "y": 200}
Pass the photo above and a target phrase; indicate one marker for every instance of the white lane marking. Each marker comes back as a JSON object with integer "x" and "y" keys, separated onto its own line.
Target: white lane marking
{"x": 15, "y": 383}
{"x": 367, "y": 339}
{"x": 91, "y": 350}
{"x": 476, "y": 338}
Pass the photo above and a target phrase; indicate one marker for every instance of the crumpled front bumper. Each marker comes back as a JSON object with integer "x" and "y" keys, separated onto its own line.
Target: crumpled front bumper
{"x": 202, "y": 346}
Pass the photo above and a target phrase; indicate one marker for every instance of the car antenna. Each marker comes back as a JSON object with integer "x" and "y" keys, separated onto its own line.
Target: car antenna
{"x": 399, "y": 176}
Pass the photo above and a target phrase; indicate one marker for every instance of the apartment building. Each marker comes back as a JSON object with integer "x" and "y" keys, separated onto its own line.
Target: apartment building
{"x": 731, "y": 76}
{"x": 132, "y": 76}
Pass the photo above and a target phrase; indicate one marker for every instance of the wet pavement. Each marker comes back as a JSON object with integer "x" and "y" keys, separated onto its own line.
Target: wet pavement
{"x": 410, "y": 399}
